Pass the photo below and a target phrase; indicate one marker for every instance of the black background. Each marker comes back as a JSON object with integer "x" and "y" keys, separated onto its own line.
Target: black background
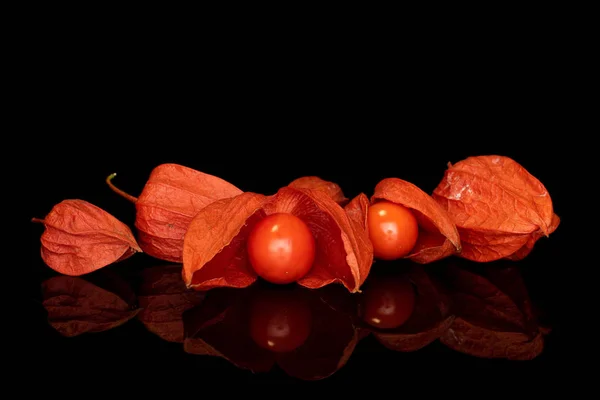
{"x": 113, "y": 118}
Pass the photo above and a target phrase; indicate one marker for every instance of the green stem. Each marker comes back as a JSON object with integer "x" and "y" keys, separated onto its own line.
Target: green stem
{"x": 118, "y": 191}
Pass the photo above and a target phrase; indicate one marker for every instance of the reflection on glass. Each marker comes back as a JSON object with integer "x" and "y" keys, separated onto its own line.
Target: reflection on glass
{"x": 163, "y": 298}
{"x": 98, "y": 303}
{"x": 265, "y": 325}
{"x": 388, "y": 301}
{"x": 494, "y": 315}
{"x": 480, "y": 310}
{"x": 280, "y": 321}
{"x": 404, "y": 309}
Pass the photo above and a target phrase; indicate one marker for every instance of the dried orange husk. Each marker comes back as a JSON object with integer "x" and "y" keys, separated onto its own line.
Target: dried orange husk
{"x": 499, "y": 208}
{"x": 332, "y": 189}
{"x": 81, "y": 238}
{"x": 170, "y": 199}
{"x": 438, "y": 237}
{"x": 215, "y": 245}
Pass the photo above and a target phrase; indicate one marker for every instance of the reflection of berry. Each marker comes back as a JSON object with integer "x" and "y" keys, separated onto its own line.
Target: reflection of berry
{"x": 280, "y": 320}
{"x": 388, "y": 303}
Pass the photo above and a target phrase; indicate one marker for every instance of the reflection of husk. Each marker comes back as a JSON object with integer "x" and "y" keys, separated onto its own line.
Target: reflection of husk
{"x": 163, "y": 298}
{"x": 486, "y": 343}
{"x": 220, "y": 327}
{"x": 75, "y": 306}
{"x": 199, "y": 347}
{"x": 415, "y": 341}
{"x": 428, "y": 321}
{"x": 494, "y": 315}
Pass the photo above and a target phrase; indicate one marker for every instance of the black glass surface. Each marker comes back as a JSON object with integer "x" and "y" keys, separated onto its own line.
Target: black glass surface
{"x": 135, "y": 320}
